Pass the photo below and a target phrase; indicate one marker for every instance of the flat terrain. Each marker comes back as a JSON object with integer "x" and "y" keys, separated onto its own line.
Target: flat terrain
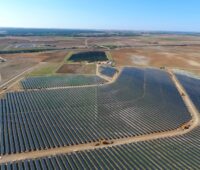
{"x": 60, "y": 81}
{"x": 17, "y": 63}
{"x": 108, "y": 71}
{"x": 167, "y": 153}
{"x": 34, "y": 42}
{"x": 50, "y": 63}
{"x": 177, "y": 57}
{"x": 90, "y": 56}
{"x": 192, "y": 85}
{"x": 105, "y": 151}
{"x": 46, "y": 69}
{"x": 145, "y": 116}
{"x": 77, "y": 69}
{"x": 180, "y": 51}
{"x": 88, "y": 114}
{"x": 14, "y": 66}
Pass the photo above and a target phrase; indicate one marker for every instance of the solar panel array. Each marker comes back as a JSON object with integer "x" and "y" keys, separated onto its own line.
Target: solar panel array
{"x": 139, "y": 102}
{"x": 181, "y": 152}
{"x": 90, "y": 56}
{"x": 192, "y": 86}
{"x": 60, "y": 81}
{"x": 108, "y": 71}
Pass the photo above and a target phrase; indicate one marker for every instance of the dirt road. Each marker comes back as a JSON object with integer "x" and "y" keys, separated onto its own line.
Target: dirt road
{"x": 86, "y": 43}
{"x": 15, "y": 80}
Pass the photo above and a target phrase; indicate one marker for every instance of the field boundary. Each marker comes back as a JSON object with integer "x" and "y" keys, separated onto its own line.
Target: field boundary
{"x": 68, "y": 56}
{"x": 109, "y": 56}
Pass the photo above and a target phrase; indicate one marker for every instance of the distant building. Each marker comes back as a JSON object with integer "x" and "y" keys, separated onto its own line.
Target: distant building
{"x": 2, "y": 60}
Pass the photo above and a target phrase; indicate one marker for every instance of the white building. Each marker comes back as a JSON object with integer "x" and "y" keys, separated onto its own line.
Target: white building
{"x": 2, "y": 60}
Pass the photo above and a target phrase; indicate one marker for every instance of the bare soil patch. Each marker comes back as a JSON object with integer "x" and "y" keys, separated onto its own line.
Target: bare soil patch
{"x": 13, "y": 67}
{"x": 54, "y": 56}
{"x": 140, "y": 60}
{"x": 194, "y": 63}
{"x": 187, "y": 57}
{"x": 77, "y": 69}
{"x": 17, "y": 63}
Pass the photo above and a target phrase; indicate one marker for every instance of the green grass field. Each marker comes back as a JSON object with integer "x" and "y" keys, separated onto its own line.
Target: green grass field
{"x": 47, "y": 69}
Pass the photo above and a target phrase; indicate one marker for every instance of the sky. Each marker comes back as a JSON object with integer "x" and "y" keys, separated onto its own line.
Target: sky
{"x": 152, "y": 15}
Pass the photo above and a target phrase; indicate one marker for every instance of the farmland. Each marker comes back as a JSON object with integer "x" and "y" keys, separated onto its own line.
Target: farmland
{"x": 144, "y": 50}
{"x": 15, "y": 64}
{"x": 13, "y": 67}
{"x": 77, "y": 69}
{"x": 45, "y": 70}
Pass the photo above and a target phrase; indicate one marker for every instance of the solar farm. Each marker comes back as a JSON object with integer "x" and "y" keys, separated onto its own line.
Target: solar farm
{"x": 165, "y": 153}
{"x": 89, "y": 114}
{"x": 92, "y": 56}
{"x": 60, "y": 81}
{"x": 108, "y": 71}
{"x": 140, "y": 118}
{"x": 192, "y": 86}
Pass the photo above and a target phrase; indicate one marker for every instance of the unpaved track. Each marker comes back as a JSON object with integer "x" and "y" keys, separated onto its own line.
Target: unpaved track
{"x": 86, "y": 43}
{"x": 17, "y": 76}
{"x": 15, "y": 79}
{"x": 90, "y": 146}
{"x": 190, "y": 106}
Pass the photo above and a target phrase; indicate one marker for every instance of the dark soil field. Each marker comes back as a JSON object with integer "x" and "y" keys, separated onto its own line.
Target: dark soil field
{"x": 77, "y": 69}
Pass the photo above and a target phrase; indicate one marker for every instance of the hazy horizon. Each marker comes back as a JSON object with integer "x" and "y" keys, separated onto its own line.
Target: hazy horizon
{"x": 129, "y": 15}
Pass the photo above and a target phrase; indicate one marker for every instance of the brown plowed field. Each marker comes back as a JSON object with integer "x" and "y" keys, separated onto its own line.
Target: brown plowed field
{"x": 17, "y": 63}
{"x": 52, "y": 57}
{"x": 77, "y": 69}
{"x": 180, "y": 57}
